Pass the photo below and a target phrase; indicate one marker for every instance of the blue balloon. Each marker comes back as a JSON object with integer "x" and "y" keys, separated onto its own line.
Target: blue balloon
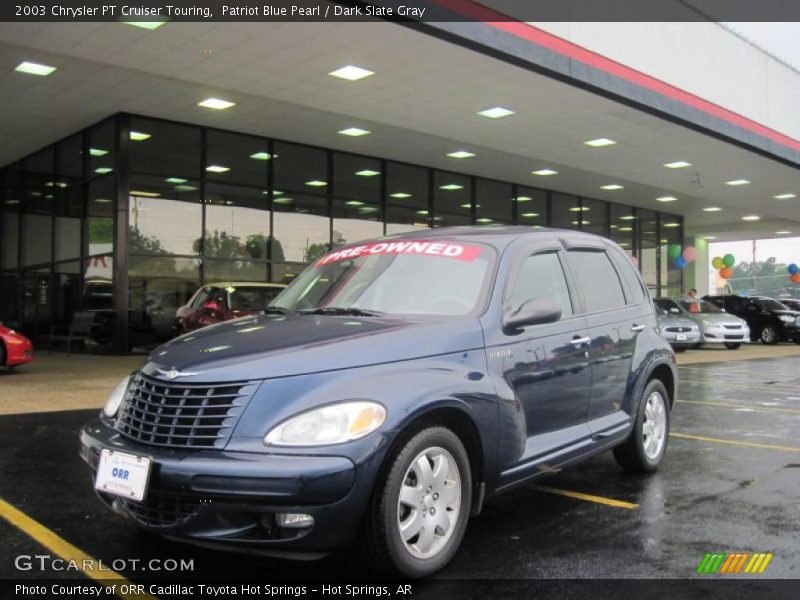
{"x": 793, "y": 268}
{"x": 680, "y": 262}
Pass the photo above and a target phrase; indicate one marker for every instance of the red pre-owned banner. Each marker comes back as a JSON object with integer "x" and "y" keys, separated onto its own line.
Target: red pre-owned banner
{"x": 465, "y": 252}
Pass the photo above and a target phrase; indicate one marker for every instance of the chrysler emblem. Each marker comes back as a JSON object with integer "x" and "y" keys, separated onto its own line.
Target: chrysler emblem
{"x": 174, "y": 373}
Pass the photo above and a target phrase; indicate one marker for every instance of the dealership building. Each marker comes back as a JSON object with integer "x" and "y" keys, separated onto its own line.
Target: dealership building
{"x": 141, "y": 162}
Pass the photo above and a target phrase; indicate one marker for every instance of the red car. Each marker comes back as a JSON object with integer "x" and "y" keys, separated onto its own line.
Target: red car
{"x": 15, "y": 349}
{"x": 219, "y": 302}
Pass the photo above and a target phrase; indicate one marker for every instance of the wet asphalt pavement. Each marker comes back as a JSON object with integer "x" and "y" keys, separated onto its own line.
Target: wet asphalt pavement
{"x": 713, "y": 493}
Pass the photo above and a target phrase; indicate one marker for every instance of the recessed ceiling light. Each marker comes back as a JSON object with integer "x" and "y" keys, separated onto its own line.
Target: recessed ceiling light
{"x": 283, "y": 200}
{"x": 368, "y": 209}
{"x": 216, "y": 103}
{"x": 461, "y": 154}
{"x": 149, "y": 25}
{"x": 102, "y": 200}
{"x": 33, "y": 68}
{"x": 611, "y": 186}
{"x": 626, "y": 229}
{"x": 523, "y": 198}
{"x": 355, "y": 131}
{"x": 138, "y": 136}
{"x": 275, "y": 192}
{"x": 316, "y": 183}
{"x": 709, "y": 237}
{"x": 367, "y": 173}
{"x": 783, "y": 232}
{"x": 103, "y": 170}
{"x": 627, "y": 218}
{"x": 737, "y": 182}
{"x": 97, "y": 152}
{"x": 400, "y": 195}
{"x": 351, "y": 73}
{"x": 354, "y": 203}
{"x": 185, "y": 188}
{"x": 579, "y": 209}
{"x": 496, "y": 112}
{"x": 581, "y": 223}
{"x": 678, "y": 164}
{"x": 671, "y": 225}
{"x": 712, "y": 209}
{"x": 175, "y": 180}
{"x": 145, "y": 194}
{"x": 217, "y": 169}
{"x": 483, "y": 220}
{"x": 751, "y": 218}
{"x": 600, "y": 142}
{"x": 451, "y": 186}
{"x": 469, "y": 205}
{"x": 261, "y": 156}
{"x": 544, "y": 172}
{"x": 529, "y": 215}
{"x": 785, "y": 196}
{"x": 422, "y": 212}
{"x": 666, "y": 199}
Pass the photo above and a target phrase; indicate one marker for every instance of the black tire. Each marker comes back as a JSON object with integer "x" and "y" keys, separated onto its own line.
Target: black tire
{"x": 769, "y": 336}
{"x": 379, "y": 542}
{"x": 797, "y": 340}
{"x": 631, "y": 454}
{"x": 697, "y": 346}
{"x": 732, "y": 346}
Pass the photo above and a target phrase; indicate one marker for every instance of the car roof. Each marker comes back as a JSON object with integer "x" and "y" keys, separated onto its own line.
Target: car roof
{"x": 498, "y": 236}
{"x": 240, "y": 284}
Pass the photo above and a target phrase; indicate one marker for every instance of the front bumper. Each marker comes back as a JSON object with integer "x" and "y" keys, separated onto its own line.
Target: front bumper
{"x": 230, "y": 499}
{"x": 726, "y": 334}
{"x": 689, "y": 337}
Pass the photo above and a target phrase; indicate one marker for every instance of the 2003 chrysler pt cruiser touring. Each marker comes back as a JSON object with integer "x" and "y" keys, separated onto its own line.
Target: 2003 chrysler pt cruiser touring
{"x": 387, "y": 392}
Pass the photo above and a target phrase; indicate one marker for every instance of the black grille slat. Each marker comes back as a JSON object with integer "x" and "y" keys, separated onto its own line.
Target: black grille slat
{"x": 178, "y": 415}
{"x": 161, "y": 510}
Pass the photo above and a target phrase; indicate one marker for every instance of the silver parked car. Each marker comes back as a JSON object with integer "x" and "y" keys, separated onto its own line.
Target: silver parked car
{"x": 680, "y": 331}
{"x": 716, "y": 326}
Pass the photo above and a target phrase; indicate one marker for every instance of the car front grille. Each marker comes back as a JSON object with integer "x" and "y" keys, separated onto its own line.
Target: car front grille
{"x": 678, "y": 329}
{"x": 734, "y": 326}
{"x": 161, "y": 510}
{"x": 182, "y": 415}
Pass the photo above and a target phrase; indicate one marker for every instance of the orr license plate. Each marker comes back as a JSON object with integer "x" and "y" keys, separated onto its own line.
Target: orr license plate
{"x": 122, "y": 474}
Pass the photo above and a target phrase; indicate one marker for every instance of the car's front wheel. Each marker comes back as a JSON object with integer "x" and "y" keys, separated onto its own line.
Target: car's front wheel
{"x": 643, "y": 451}
{"x": 769, "y": 336}
{"x": 420, "y": 507}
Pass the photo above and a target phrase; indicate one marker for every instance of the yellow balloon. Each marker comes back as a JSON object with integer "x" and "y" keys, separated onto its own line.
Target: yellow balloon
{"x": 717, "y": 263}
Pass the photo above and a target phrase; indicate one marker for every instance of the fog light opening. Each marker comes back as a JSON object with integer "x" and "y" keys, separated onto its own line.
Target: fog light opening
{"x": 294, "y": 520}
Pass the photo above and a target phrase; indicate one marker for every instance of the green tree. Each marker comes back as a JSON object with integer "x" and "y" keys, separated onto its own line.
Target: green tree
{"x": 144, "y": 244}
{"x": 314, "y": 252}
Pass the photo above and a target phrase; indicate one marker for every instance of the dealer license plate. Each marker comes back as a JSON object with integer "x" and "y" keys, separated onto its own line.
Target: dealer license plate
{"x": 681, "y": 337}
{"x": 123, "y": 474}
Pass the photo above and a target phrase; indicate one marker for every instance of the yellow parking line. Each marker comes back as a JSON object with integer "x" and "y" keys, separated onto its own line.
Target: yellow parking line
{"x": 65, "y": 550}
{"x": 747, "y": 406}
{"x": 587, "y": 497}
{"x": 700, "y": 438}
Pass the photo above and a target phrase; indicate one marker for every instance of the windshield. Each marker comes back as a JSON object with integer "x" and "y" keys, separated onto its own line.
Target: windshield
{"x": 701, "y": 306}
{"x": 666, "y": 304}
{"x": 397, "y": 278}
{"x": 770, "y": 304}
{"x": 251, "y": 298}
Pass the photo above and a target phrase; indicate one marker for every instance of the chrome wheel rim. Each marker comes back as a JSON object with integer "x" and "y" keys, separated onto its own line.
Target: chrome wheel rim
{"x": 768, "y": 335}
{"x": 429, "y": 505}
{"x": 654, "y": 428}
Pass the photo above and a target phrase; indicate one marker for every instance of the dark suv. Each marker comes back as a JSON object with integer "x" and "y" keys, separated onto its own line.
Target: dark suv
{"x": 769, "y": 320}
{"x": 387, "y": 392}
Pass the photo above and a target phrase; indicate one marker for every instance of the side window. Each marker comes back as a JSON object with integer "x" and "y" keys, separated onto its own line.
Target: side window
{"x": 201, "y": 297}
{"x": 634, "y": 284}
{"x": 598, "y": 279}
{"x": 217, "y": 295}
{"x": 541, "y": 277}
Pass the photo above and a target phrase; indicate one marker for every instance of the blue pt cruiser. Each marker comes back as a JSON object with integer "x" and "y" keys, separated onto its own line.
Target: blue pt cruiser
{"x": 390, "y": 390}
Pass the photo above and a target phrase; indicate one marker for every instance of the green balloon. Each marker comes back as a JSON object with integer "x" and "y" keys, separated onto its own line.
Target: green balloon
{"x": 674, "y": 251}
{"x": 728, "y": 260}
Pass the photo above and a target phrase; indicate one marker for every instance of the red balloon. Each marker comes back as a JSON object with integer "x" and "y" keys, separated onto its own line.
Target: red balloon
{"x": 795, "y": 278}
{"x": 726, "y": 272}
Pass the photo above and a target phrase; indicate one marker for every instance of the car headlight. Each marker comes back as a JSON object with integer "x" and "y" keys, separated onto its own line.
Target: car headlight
{"x": 708, "y": 323}
{"x": 331, "y": 424}
{"x": 115, "y": 398}
{"x": 786, "y": 318}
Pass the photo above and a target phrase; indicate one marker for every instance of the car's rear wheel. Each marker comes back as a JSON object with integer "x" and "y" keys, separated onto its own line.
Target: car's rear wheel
{"x": 420, "y": 507}
{"x": 769, "y": 336}
{"x": 732, "y": 346}
{"x": 644, "y": 449}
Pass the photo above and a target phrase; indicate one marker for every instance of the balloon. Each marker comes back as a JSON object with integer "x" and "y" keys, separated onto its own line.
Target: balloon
{"x": 793, "y": 269}
{"x": 717, "y": 263}
{"x": 728, "y": 260}
{"x": 674, "y": 251}
{"x": 795, "y": 278}
{"x": 726, "y": 272}
{"x": 681, "y": 262}
{"x": 690, "y": 253}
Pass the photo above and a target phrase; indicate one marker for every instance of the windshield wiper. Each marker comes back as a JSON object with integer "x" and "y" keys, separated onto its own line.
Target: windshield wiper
{"x": 352, "y": 310}
{"x": 278, "y": 310}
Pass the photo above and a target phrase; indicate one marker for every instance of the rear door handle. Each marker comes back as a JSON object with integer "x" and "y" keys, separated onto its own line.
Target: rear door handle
{"x": 637, "y": 328}
{"x": 576, "y": 341}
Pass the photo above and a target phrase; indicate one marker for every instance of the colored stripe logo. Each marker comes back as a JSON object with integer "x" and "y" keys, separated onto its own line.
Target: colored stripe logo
{"x": 734, "y": 563}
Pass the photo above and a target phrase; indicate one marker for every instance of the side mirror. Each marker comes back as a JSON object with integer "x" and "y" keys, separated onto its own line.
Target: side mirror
{"x": 533, "y": 312}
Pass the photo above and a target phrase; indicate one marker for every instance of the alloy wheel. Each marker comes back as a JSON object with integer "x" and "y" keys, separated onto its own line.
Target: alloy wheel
{"x": 654, "y": 428}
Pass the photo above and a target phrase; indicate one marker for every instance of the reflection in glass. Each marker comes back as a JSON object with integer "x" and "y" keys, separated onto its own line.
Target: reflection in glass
{"x": 406, "y": 185}
{"x": 302, "y": 226}
{"x": 594, "y": 216}
{"x": 245, "y": 157}
{"x": 300, "y": 168}
{"x": 493, "y": 202}
{"x": 237, "y": 222}
{"x": 356, "y": 177}
{"x": 9, "y": 240}
{"x": 36, "y": 239}
{"x": 564, "y": 207}
{"x": 400, "y": 219}
{"x": 286, "y": 272}
{"x": 452, "y": 199}
{"x": 531, "y": 206}
{"x": 649, "y": 242}
{"x": 234, "y": 270}
{"x": 354, "y": 220}
{"x": 166, "y": 149}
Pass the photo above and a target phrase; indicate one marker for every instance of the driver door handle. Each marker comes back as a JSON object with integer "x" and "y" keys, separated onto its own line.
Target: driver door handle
{"x": 580, "y": 341}
{"x": 637, "y": 328}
